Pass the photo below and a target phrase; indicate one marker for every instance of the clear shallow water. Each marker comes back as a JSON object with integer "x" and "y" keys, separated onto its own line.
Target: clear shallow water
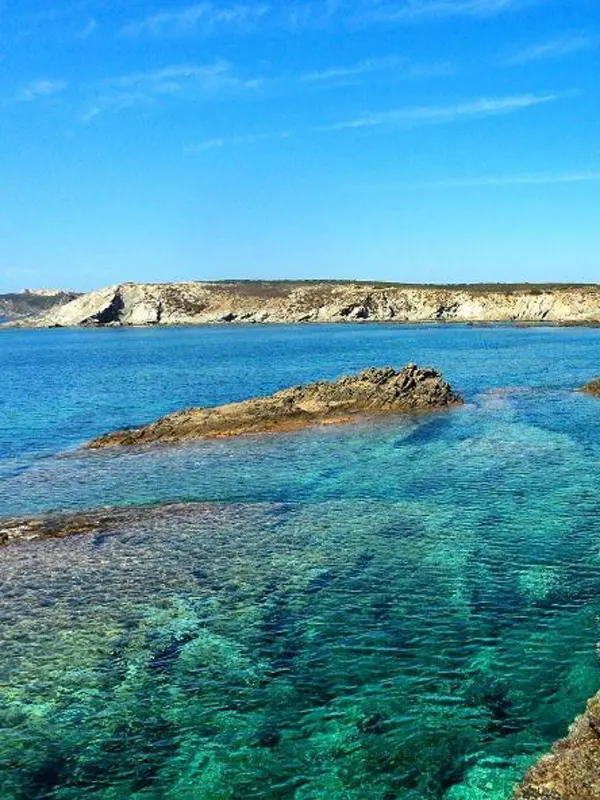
{"x": 401, "y": 609}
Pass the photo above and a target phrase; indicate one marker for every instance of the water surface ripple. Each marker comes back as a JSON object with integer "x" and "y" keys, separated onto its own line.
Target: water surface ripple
{"x": 403, "y": 609}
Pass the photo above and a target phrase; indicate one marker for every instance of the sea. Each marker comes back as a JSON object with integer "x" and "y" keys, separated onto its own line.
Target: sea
{"x": 401, "y": 608}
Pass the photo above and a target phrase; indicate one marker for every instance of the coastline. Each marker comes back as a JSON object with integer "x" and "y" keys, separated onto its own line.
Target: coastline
{"x": 31, "y": 325}
{"x": 262, "y": 302}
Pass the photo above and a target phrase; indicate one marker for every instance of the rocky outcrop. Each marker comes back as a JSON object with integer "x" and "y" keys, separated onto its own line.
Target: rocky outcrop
{"x": 372, "y": 391}
{"x": 592, "y": 387}
{"x": 32, "y": 303}
{"x": 572, "y": 770}
{"x": 323, "y": 301}
{"x": 54, "y": 526}
{"x": 98, "y": 522}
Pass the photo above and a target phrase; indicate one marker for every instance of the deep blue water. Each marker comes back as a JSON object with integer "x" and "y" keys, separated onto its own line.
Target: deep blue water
{"x": 404, "y": 608}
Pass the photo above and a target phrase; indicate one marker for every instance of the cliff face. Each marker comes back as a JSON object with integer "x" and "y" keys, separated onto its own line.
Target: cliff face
{"x": 241, "y": 302}
{"x": 32, "y": 302}
{"x": 572, "y": 770}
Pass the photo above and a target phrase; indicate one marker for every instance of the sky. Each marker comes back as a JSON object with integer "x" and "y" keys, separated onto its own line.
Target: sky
{"x": 438, "y": 141}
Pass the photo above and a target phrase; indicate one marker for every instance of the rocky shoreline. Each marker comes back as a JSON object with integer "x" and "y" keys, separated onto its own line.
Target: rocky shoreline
{"x": 572, "y": 770}
{"x": 373, "y": 391}
{"x": 245, "y": 302}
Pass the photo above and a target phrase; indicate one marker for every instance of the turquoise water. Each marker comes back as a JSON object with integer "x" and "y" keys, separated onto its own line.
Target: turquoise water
{"x": 405, "y": 608}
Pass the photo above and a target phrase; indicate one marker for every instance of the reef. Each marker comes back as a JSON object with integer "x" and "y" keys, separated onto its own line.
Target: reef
{"x": 572, "y": 770}
{"x": 55, "y": 526}
{"x": 102, "y": 522}
{"x": 373, "y": 391}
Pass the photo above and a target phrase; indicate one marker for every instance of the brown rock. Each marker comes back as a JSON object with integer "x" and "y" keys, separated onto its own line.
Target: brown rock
{"x": 103, "y": 521}
{"x": 372, "y": 391}
{"x": 49, "y": 527}
{"x": 572, "y": 770}
{"x": 593, "y": 387}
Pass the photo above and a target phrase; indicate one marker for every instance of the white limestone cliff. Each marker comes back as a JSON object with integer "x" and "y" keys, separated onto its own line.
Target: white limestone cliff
{"x": 242, "y": 302}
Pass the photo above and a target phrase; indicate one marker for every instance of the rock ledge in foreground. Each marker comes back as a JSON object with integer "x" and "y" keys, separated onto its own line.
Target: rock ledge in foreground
{"x": 372, "y": 391}
{"x": 572, "y": 770}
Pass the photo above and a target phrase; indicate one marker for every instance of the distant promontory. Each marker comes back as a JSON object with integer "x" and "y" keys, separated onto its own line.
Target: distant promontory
{"x": 242, "y": 302}
{"x": 31, "y": 303}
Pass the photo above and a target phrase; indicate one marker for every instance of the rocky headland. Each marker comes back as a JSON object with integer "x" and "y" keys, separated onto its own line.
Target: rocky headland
{"x": 371, "y": 391}
{"x": 572, "y": 770}
{"x": 31, "y": 303}
{"x": 236, "y": 302}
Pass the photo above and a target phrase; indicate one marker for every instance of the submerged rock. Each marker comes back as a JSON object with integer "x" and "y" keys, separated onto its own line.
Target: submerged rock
{"x": 592, "y": 387}
{"x": 372, "y": 391}
{"x": 101, "y": 522}
{"x": 56, "y": 526}
{"x": 572, "y": 770}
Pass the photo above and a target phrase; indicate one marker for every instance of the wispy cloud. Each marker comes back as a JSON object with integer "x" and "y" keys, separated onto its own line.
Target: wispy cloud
{"x": 417, "y": 10}
{"x": 440, "y": 69}
{"x": 413, "y": 117}
{"x": 88, "y": 29}
{"x": 352, "y": 72}
{"x": 40, "y": 89}
{"x": 207, "y": 17}
{"x": 556, "y": 48}
{"x": 364, "y": 67}
{"x": 189, "y": 81}
{"x": 532, "y": 179}
{"x": 207, "y": 144}
{"x": 236, "y": 141}
{"x": 59, "y": 21}
{"x": 442, "y": 114}
{"x": 209, "y": 78}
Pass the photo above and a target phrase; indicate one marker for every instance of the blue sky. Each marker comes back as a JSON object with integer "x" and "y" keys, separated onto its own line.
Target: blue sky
{"x": 416, "y": 140}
